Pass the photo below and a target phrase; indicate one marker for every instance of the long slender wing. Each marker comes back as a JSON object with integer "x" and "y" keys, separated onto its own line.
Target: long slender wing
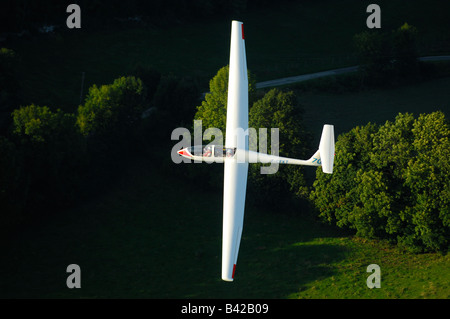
{"x": 237, "y": 101}
{"x": 235, "y": 183}
{"x": 235, "y": 172}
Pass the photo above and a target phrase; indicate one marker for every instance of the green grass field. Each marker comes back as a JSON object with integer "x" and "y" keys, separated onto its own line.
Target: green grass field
{"x": 153, "y": 235}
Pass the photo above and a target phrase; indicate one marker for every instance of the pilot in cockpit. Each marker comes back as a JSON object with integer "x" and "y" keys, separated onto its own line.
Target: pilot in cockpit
{"x": 207, "y": 151}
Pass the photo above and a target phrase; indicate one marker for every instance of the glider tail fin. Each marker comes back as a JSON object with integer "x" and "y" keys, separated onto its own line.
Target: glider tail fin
{"x": 326, "y": 148}
{"x": 324, "y": 156}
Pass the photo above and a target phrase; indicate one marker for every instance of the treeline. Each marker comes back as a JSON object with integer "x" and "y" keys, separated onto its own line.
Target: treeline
{"x": 391, "y": 181}
{"x": 50, "y": 159}
{"x": 16, "y": 16}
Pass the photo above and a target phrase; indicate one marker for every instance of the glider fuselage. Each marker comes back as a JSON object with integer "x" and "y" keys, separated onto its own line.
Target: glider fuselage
{"x": 220, "y": 154}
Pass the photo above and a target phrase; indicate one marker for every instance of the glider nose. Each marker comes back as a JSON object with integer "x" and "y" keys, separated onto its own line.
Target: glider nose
{"x": 184, "y": 152}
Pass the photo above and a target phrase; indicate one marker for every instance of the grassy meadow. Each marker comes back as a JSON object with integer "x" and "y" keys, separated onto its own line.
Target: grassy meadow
{"x": 151, "y": 234}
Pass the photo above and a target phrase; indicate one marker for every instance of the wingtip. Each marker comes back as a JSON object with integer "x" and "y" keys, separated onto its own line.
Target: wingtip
{"x": 227, "y": 278}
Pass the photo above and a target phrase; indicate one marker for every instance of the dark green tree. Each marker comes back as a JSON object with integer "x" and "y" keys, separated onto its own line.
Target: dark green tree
{"x": 392, "y": 183}
{"x": 427, "y": 176}
{"x": 278, "y": 109}
{"x": 392, "y": 150}
{"x": 112, "y": 109}
{"x": 333, "y": 194}
{"x": 213, "y": 110}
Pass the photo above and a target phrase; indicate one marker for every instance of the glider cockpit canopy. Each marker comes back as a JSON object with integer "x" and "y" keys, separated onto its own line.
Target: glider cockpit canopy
{"x": 211, "y": 151}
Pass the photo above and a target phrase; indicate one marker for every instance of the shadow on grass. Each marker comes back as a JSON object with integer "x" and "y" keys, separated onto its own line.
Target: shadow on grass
{"x": 151, "y": 237}
{"x": 279, "y": 255}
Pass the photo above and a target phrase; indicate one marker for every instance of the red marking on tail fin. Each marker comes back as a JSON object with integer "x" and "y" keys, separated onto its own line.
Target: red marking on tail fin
{"x": 234, "y": 269}
{"x": 242, "y": 26}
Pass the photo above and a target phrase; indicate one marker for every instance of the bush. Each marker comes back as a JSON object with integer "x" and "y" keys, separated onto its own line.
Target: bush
{"x": 392, "y": 182}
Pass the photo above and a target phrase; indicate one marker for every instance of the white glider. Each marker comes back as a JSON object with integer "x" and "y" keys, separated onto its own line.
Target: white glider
{"x": 236, "y": 155}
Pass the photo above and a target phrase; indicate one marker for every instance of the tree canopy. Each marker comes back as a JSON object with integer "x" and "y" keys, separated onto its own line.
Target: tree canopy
{"x": 112, "y": 107}
{"x": 213, "y": 110}
{"x": 278, "y": 109}
{"x": 391, "y": 181}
